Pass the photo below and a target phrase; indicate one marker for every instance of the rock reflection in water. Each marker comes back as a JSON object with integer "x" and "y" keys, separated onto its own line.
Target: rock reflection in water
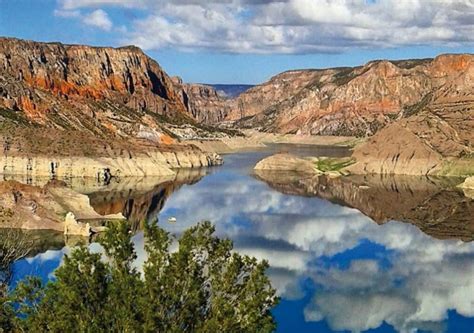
{"x": 434, "y": 205}
{"x": 140, "y": 200}
{"x": 334, "y": 268}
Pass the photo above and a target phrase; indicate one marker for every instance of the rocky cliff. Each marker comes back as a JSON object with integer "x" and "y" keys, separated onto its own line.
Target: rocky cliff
{"x": 203, "y": 102}
{"x": 354, "y": 101}
{"x": 71, "y": 85}
{"x": 435, "y": 136}
{"x": 119, "y": 91}
{"x": 81, "y": 110}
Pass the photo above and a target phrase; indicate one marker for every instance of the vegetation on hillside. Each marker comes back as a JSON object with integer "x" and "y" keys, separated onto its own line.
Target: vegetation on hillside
{"x": 333, "y": 164}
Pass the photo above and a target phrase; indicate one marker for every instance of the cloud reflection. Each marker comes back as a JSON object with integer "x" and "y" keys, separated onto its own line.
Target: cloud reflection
{"x": 364, "y": 274}
{"x": 425, "y": 277}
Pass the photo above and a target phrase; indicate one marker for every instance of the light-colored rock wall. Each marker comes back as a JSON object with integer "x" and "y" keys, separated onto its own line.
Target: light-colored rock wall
{"x": 153, "y": 164}
{"x": 286, "y": 162}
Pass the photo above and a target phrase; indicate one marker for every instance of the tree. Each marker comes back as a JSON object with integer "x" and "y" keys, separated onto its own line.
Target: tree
{"x": 202, "y": 287}
{"x": 13, "y": 246}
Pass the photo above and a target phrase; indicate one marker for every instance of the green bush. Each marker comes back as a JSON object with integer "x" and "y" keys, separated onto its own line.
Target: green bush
{"x": 202, "y": 287}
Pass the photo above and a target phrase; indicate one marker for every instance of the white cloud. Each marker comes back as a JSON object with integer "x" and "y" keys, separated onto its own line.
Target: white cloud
{"x": 98, "y": 18}
{"x": 425, "y": 277}
{"x": 292, "y": 26}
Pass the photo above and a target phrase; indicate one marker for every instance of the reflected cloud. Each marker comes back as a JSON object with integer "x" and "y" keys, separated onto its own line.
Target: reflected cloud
{"x": 305, "y": 237}
{"x": 362, "y": 273}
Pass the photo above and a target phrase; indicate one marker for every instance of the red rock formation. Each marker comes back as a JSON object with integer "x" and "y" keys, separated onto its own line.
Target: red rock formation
{"x": 75, "y": 72}
{"x": 434, "y": 137}
{"x": 352, "y": 101}
{"x": 53, "y": 97}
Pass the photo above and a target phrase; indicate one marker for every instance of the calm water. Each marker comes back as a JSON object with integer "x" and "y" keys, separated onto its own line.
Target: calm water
{"x": 335, "y": 268}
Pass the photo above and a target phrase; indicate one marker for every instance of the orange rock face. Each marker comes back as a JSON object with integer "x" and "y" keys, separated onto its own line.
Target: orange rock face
{"x": 352, "y": 101}
{"x": 74, "y": 82}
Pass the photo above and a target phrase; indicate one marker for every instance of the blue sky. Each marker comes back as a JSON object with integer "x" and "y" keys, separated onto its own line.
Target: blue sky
{"x": 243, "y": 41}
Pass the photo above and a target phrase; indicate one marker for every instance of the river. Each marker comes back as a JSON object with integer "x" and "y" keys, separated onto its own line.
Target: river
{"x": 334, "y": 267}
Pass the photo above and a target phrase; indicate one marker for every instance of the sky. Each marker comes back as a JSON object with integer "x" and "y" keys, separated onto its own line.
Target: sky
{"x": 248, "y": 41}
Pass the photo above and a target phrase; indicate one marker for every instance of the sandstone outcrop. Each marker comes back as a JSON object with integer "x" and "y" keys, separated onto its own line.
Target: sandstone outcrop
{"x": 72, "y": 227}
{"x": 86, "y": 87}
{"x": 468, "y": 183}
{"x": 355, "y": 101}
{"x": 286, "y": 162}
{"x": 468, "y": 187}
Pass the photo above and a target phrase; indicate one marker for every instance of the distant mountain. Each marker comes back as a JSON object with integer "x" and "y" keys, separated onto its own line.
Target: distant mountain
{"x": 231, "y": 90}
{"x": 355, "y": 101}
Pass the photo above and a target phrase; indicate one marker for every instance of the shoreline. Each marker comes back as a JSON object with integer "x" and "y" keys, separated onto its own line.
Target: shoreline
{"x": 260, "y": 140}
{"x": 150, "y": 164}
{"x": 336, "y": 167}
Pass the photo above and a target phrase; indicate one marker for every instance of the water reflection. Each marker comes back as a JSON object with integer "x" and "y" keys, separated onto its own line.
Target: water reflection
{"x": 434, "y": 205}
{"x": 141, "y": 200}
{"x": 349, "y": 272}
{"x": 334, "y": 266}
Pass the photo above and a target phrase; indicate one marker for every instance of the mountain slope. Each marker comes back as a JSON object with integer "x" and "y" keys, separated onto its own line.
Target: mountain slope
{"x": 74, "y": 109}
{"x": 435, "y": 138}
{"x": 101, "y": 90}
{"x": 350, "y": 101}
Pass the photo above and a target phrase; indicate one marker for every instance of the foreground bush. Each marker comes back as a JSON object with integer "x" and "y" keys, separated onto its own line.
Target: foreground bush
{"x": 202, "y": 287}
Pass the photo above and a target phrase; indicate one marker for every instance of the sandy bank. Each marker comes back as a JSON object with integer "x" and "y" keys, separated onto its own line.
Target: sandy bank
{"x": 255, "y": 140}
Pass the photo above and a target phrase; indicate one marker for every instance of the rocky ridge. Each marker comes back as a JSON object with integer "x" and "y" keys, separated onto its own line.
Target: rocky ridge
{"x": 74, "y": 110}
{"x": 86, "y": 88}
{"x": 351, "y": 101}
{"x": 101, "y": 90}
{"x": 436, "y": 137}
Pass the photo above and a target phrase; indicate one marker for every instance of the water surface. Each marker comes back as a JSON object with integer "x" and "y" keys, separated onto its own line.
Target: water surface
{"x": 334, "y": 267}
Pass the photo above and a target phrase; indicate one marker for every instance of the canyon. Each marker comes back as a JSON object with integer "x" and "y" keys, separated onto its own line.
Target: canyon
{"x": 353, "y": 101}
{"x": 111, "y": 114}
{"x": 57, "y": 99}
{"x": 418, "y": 115}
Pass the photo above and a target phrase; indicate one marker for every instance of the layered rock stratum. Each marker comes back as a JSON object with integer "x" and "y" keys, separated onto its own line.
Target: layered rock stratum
{"x": 354, "y": 101}
{"x": 75, "y": 110}
{"x": 434, "y": 137}
{"x": 418, "y": 114}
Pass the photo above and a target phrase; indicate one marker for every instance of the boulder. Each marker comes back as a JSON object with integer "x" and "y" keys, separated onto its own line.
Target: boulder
{"x": 72, "y": 227}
